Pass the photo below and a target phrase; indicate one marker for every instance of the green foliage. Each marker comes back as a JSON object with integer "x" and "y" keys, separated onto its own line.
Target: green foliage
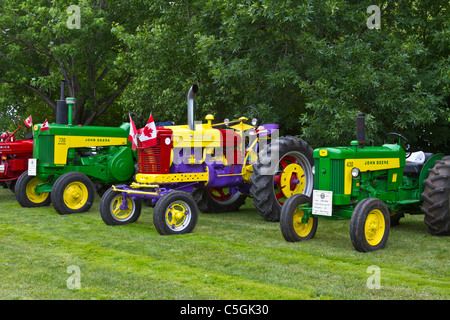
{"x": 38, "y": 50}
{"x": 310, "y": 66}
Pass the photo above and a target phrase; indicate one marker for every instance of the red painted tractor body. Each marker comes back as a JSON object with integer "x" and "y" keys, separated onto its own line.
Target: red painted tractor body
{"x": 14, "y": 155}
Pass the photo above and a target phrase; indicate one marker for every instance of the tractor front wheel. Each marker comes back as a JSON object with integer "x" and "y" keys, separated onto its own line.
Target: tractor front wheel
{"x": 25, "y": 192}
{"x": 175, "y": 213}
{"x": 111, "y": 211}
{"x": 370, "y": 225}
{"x": 293, "y": 226}
{"x": 73, "y": 192}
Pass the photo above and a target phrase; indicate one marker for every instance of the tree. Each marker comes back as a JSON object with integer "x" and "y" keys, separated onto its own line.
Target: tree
{"x": 311, "y": 66}
{"x": 43, "y": 42}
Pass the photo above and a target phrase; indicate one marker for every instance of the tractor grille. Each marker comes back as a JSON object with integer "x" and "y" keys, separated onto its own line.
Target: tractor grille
{"x": 156, "y": 159}
{"x": 317, "y": 173}
{"x": 149, "y": 159}
{"x": 337, "y": 176}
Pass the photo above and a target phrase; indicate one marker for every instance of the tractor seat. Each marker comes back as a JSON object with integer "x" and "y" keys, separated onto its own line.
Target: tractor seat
{"x": 415, "y": 162}
{"x": 164, "y": 124}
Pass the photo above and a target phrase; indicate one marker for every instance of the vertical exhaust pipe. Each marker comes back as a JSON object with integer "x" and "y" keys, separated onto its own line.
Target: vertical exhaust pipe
{"x": 61, "y": 107}
{"x": 361, "y": 129}
{"x": 190, "y": 104}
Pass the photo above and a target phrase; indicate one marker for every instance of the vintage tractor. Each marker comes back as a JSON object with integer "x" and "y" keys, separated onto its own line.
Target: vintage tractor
{"x": 373, "y": 187}
{"x": 14, "y": 155}
{"x": 71, "y": 162}
{"x": 201, "y": 165}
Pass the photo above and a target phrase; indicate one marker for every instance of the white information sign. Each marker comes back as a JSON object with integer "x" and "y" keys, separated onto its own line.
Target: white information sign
{"x": 322, "y": 202}
{"x": 32, "y": 165}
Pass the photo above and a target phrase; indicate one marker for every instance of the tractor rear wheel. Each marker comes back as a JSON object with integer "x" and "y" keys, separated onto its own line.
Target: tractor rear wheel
{"x": 175, "y": 213}
{"x": 25, "y": 194}
{"x": 436, "y": 198}
{"x": 73, "y": 192}
{"x": 370, "y": 225}
{"x": 218, "y": 200}
{"x": 293, "y": 227}
{"x": 284, "y": 168}
{"x": 111, "y": 212}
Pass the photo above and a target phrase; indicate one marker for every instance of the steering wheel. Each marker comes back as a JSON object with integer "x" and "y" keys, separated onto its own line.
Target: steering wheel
{"x": 408, "y": 151}
{"x": 251, "y": 108}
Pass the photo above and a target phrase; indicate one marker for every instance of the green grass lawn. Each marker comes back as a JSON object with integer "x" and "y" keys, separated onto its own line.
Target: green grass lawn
{"x": 228, "y": 256}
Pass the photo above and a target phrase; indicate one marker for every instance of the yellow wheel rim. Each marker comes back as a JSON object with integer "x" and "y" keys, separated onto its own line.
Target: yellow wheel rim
{"x": 374, "y": 227}
{"x": 118, "y": 213}
{"x": 75, "y": 195}
{"x": 31, "y": 194}
{"x": 178, "y": 215}
{"x": 286, "y": 180}
{"x": 301, "y": 228}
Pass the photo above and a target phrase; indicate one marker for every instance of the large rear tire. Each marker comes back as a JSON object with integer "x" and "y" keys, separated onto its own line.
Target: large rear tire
{"x": 284, "y": 168}
{"x": 218, "y": 200}
{"x": 436, "y": 198}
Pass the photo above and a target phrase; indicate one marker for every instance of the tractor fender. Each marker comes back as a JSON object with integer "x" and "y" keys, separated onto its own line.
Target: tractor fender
{"x": 428, "y": 165}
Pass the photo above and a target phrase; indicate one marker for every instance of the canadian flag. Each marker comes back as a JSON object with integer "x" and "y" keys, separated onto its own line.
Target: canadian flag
{"x": 45, "y": 126}
{"x": 28, "y": 122}
{"x": 147, "y": 135}
{"x": 133, "y": 134}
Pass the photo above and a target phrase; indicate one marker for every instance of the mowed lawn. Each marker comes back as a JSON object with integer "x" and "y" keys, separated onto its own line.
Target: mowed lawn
{"x": 228, "y": 256}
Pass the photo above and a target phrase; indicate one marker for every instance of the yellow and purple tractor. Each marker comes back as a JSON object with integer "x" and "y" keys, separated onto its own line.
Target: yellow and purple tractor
{"x": 373, "y": 187}
{"x": 211, "y": 167}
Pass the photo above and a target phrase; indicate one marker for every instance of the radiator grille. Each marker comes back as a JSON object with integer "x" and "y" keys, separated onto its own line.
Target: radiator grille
{"x": 149, "y": 159}
{"x": 337, "y": 176}
{"x": 156, "y": 159}
{"x": 317, "y": 173}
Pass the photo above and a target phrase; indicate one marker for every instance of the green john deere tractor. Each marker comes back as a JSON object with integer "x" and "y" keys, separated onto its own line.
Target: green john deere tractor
{"x": 71, "y": 162}
{"x": 373, "y": 187}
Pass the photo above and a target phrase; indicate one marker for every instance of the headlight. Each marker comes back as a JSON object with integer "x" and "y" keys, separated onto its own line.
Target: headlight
{"x": 314, "y": 170}
{"x": 355, "y": 172}
{"x": 226, "y": 120}
{"x": 254, "y": 122}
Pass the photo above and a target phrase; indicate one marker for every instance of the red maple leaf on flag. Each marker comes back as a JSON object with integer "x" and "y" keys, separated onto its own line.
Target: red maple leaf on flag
{"x": 147, "y": 135}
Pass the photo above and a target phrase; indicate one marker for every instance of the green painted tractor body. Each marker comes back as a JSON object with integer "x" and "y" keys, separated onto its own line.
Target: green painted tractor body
{"x": 71, "y": 162}
{"x": 373, "y": 187}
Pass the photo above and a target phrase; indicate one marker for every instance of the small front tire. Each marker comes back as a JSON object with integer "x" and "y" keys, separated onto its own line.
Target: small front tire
{"x": 111, "y": 212}
{"x": 176, "y": 212}
{"x": 292, "y": 226}
{"x": 25, "y": 194}
{"x": 370, "y": 225}
{"x": 73, "y": 192}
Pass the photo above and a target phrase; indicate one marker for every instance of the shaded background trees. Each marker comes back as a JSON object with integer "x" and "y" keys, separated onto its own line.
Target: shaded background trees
{"x": 310, "y": 66}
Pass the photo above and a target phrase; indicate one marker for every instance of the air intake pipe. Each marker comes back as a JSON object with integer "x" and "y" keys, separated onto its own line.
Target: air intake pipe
{"x": 190, "y": 104}
{"x": 361, "y": 129}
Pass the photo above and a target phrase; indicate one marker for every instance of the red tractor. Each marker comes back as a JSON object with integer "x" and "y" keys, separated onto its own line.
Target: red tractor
{"x": 14, "y": 155}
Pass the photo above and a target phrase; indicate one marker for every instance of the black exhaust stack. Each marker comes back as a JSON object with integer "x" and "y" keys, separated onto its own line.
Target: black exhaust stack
{"x": 361, "y": 129}
{"x": 61, "y": 107}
